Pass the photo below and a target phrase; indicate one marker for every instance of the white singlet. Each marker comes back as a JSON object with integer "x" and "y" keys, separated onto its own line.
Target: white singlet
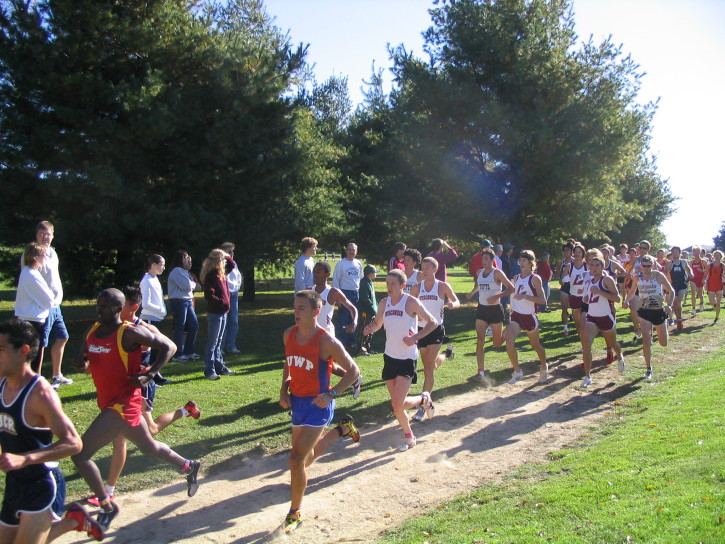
{"x": 324, "y": 318}
{"x": 577, "y": 280}
{"x": 564, "y": 262}
{"x": 650, "y": 292}
{"x": 432, "y": 301}
{"x": 412, "y": 280}
{"x": 488, "y": 286}
{"x": 524, "y": 286}
{"x": 398, "y": 324}
{"x": 599, "y": 306}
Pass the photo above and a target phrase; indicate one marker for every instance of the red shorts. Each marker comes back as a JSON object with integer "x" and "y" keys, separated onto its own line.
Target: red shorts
{"x": 527, "y": 322}
{"x": 128, "y": 407}
{"x": 604, "y": 323}
{"x": 575, "y": 303}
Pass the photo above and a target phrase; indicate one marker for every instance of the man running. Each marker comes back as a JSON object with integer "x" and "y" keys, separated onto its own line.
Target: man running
{"x": 310, "y": 351}
{"x": 30, "y": 416}
{"x": 680, "y": 272}
{"x": 112, "y": 355}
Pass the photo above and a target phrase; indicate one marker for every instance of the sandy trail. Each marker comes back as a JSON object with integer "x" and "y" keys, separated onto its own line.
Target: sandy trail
{"x": 358, "y": 490}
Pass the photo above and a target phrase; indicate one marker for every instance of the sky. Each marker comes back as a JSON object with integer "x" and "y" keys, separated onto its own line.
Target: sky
{"x": 679, "y": 45}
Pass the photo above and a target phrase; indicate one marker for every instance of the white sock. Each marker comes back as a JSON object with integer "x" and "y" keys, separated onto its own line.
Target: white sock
{"x": 109, "y": 489}
{"x": 184, "y": 412}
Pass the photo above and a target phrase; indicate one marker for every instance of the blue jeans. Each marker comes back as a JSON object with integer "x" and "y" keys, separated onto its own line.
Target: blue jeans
{"x": 232, "y": 328}
{"x": 344, "y": 318}
{"x": 185, "y": 323}
{"x": 213, "y": 354}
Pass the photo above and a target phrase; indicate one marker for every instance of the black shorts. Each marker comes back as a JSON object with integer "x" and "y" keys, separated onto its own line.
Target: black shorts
{"x": 438, "y": 336}
{"x": 490, "y": 314}
{"x": 31, "y": 495}
{"x": 656, "y": 316}
{"x": 392, "y": 368}
{"x": 565, "y": 287}
{"x": 585, "y": 307}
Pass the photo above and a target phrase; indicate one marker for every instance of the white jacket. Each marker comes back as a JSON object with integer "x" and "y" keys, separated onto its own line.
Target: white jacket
{"x": 34, "y": 299}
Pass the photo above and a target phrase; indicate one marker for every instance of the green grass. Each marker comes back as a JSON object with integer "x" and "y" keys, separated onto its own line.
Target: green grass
{"x": 241, "y": 418}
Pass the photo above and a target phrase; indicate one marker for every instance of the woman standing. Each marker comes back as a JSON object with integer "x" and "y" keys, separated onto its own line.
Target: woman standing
{"x": 152, "y": 300}
{"x": 216, "y": 293}
{"x": 34, "y": 299}
{"x": 181, "y": 286}
{"x": 653, "y": 307}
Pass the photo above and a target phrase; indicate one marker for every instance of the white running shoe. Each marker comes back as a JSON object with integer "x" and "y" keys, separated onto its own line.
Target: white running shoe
{"x": 489, "y": 331}
{"x": 419, "y": 414}
{"x": 59, "y": 380}
{"x": 621, "y": 365}
{"x": 356, "y": 387}
{"x": 587, "y": 382}
{"x": 648, "y": 374}
{"x": 516, "y": 376}
{"x": 544, "y": 376}
{"x": 407, "y": 444}
{"x": 430, "y": 409}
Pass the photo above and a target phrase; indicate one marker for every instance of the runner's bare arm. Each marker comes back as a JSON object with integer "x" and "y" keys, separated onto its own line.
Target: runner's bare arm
{"x": 133, "y": 337}
{"x": 340, "y": 298}
{"x": 332, "y": 348}
{"x": 284, "y": 398}
{"x": 449, "y": 294}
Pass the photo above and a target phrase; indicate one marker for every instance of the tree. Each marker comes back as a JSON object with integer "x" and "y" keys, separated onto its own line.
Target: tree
{"x": 719, "y": 240}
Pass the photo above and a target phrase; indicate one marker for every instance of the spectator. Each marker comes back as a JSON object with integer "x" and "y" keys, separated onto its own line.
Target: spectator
{"x": 544, "y": 270}
{"x": 396, "y": 261}
{"x": 444, "y": 255}
{"x": 234, "y": 282}
{"x": 181, "y": 285}
{"x": 346, "y": 277}
{"x": 305, "y": 263}
{"x": 477, "y": 262}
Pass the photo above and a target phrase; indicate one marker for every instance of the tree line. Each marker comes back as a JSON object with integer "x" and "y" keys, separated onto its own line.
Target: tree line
{"x": 143, "y": 127}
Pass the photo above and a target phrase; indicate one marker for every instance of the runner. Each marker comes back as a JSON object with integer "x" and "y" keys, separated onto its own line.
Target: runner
{"x": 601, "y": 294}
{"x": 399, "y": 313}
{"x": 30, "y": 416}
{"x": 629, "y": 268}
{"x": 528, "y": 293}
{"x": 436, "y": 296}
{"x": 576, "y": 271}
{"x": 652, "y": 307}
{"x": 112, "y": 354}
{"x": 310, "y": 351}
{"x": 331, "y": 297}
{"x": 564, "y": 280}
{"x": 411, "y": 259}
{"x": 680, "y": 272}
{"x": 714, "y": 282}
{"x": 491, "y": 285}
{"x": 698, "y": 266}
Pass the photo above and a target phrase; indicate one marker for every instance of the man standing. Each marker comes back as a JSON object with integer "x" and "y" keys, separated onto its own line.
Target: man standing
{"x": 56, "y": 334}
{"x": 234, "y": 282}
{"x": 346, "y": 277}
{"x": 112, "y": 355}
{"x": 444, "y": 255}
{"x": 30, "y": 416}
{"x": 310, "y": 351}
{"x": 304, "y": 264}
{"x": 497, "y": 260}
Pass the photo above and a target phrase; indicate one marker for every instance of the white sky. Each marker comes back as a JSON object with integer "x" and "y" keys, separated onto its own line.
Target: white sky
{"x": 679, "y": 44}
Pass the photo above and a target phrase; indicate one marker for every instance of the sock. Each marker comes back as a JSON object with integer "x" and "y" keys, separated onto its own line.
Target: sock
{"x": 408, "y": 435}
{"x": 184, "y": 412}
{"x": 110, "y": 489}
{"x": 187, "y": 465}
{"x": 339, "y": 430}
{"x": 106, "y": 501}
{"x": 293, "y": 511}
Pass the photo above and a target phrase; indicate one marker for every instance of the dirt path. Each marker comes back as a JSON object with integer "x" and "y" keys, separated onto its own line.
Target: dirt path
{"x": 357, "y": 491}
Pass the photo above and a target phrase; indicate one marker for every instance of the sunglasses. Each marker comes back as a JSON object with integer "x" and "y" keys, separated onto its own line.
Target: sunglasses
{"x": 646, "y": 266}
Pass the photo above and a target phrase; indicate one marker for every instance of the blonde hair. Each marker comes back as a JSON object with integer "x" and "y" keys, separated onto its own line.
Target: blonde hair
{"x": 215, "y": 261}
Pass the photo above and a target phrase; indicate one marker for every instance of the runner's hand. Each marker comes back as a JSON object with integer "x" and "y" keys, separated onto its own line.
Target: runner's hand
{"x": 284, "y": 400}
{"x": 10, "y": 461}
{"x": 322, "y": 400}
{"x": 139, "y": 380}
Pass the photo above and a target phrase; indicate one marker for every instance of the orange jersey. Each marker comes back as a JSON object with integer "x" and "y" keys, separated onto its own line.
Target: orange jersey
{"x": 309, "y": 373}
{"x": 714, "y": 277}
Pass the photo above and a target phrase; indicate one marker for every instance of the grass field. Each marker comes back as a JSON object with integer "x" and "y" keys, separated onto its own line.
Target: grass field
{"x": 636, "y": 475}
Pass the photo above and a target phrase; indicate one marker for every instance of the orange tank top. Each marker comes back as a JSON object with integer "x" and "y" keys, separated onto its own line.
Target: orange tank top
{"x": 309, "y": 373}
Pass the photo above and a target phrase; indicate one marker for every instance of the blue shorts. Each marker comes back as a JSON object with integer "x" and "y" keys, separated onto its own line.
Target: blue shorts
{"x": 54, "y": 327}
{"x": 33, "y": 495}
{"x": 306, "y": 414}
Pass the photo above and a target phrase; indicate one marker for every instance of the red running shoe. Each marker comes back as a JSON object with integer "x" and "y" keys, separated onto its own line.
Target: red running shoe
{"x": 610, "y": 357}
{"x": 86, "y": 524}
{"x": 192, "y": 409}
{"x": 93, "y": 501}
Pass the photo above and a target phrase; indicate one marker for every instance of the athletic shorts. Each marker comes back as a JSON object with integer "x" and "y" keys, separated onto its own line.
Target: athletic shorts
{"x": 585, "y": 307}
{"x": 32, "y": 495}
{"x": 565, "y": 287}
{"x": 54, "y": 326}
{"x": 128, "y": 407}
{"x": 680, "y": 291}
{"x": 527, "y": 322}
{"x": 148, "y": 394}
{"x": 656, "y": 316}
{"x": 575, "y": 303}
{"x": 392, "y": 368}
{"x": 620, "y": 279}
{"x": 699, "y": 282}
{"x": 490, "y": 314}
{"x": 605, "y": 323}
{"x": 438, "y": 336}
{"x": 306, "y": 414}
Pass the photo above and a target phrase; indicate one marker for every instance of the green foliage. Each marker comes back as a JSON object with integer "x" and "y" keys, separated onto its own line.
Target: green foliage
{"x": 719, "y": 240}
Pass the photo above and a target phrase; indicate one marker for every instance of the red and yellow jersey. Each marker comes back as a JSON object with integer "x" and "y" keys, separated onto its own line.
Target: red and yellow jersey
{"x": 309, "y": 373}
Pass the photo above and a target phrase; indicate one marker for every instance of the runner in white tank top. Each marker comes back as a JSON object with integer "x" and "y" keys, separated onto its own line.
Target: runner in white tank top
{"x": 435, "y": 296}
{"x": 529, "y": 292}
{"x": 411, "y": 259}
{"x": 576, "y": 271}
{"x": 398, "y": 313}
{"x": 491, "y": 285}
{"x": 602, "y": 291}
{"x": 565, "y": 283}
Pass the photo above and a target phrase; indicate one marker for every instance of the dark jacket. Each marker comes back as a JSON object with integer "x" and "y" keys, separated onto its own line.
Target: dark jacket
{"x": 216, "y": 293}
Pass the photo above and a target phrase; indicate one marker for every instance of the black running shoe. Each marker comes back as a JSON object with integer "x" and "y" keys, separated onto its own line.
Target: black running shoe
{"x": 191, "y": 475}
{"x": 104, "y": 518}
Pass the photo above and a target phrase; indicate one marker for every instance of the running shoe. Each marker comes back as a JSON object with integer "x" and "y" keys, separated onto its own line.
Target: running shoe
{"x": 679, "y": 324}
{"x": 86, "y": 524}
{"x": 516, "y": 376}
{"x": 192, "y": 409}
{"x": 693, "y": 311}
{"x": 566, "y": 331}
{"x": 104, "y": 518}
{"x": 702, "y": 307}
{"x": 408, "y": 443}
{"x": 357, "y": 386}
{"x": 59, "y": 380}
{"x": 610, "y": 357}
{"x": 428, "y": 406}
{"x": 291, "y": 522}
{"x": 448, "y": 352}
{"x": 479, "y": 377}
{"x": 180, "y": 358}
{"x": 489, "y": 331}
{"x": 194, "y": 357}
{"x": 636, "y": 338}
{"x": 191, "y": 478}
{"x": 227, "y": 372}
{"x": 93, "y": 501}
{"x": 648, "y": 374}
{"x": 621, "y": 365}
{"x": 544, "y": 376}
{"x": 211, "y": 376}
{"x": 419, "y": 414}
{"x": 352, "y": 431}
{"x": 161, "y": 381}
{"x": 587, "y": 382}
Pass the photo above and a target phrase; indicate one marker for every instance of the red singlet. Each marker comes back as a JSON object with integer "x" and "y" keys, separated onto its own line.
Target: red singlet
{"x": 309, "y": 373}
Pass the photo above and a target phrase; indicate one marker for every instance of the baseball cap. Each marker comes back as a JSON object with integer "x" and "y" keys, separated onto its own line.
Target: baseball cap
{"x": 485, "y": 243}
{"x": 369, "y": 269}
